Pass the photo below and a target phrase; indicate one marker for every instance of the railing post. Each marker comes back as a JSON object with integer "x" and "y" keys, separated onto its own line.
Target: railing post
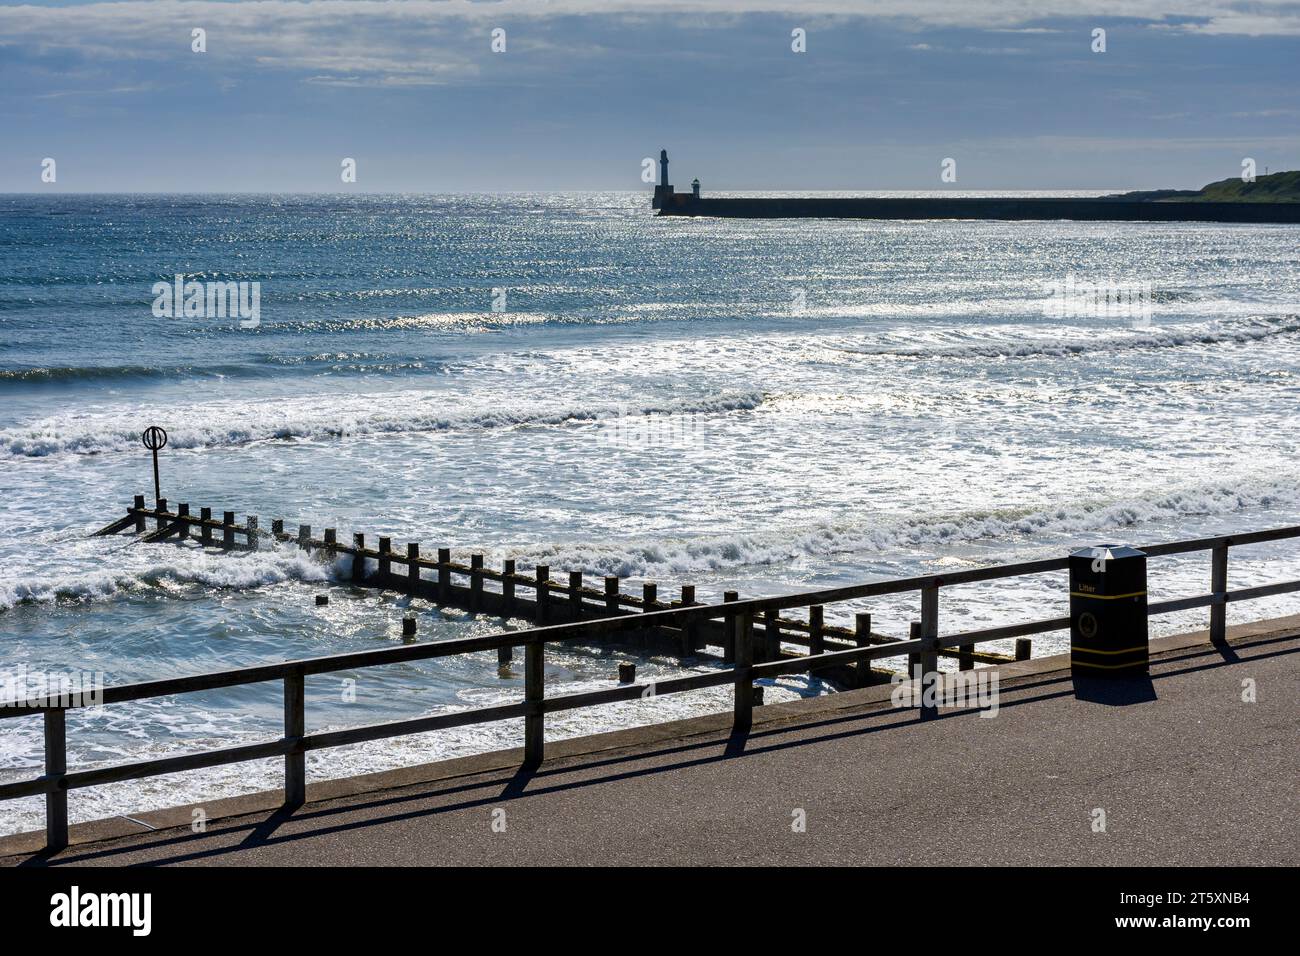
{"x": 413, "y": 567}
{"x": 295, "y": 728}
{"x": 534, "y": 694}
{"x": 358, "y": 559}
{"x": 56, "y": 765}
{"x": 542, "y": 576}
{"x": 729, "y": 630}
{"x": 1219, "y": 586}
{"x": 611, "y": 595}
{"x": 930, "y": 650}
{"x": 507, "y": 595}
{"x": 742, "y": 635}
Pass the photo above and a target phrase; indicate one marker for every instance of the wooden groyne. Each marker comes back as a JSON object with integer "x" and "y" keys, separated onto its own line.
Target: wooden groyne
{"x": 536, "y": 597}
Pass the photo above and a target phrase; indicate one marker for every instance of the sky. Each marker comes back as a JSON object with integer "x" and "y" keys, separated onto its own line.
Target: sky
{"x": 584, "y": 90}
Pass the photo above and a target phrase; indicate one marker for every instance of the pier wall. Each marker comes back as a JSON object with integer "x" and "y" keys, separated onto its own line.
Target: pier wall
{"x": 1088, "y": 210}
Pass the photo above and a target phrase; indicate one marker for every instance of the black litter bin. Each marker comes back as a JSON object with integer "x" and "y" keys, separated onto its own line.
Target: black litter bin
{"x": 1108, "y": 612}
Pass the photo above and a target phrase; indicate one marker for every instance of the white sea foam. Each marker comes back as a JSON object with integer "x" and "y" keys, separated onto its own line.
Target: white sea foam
{"x": 235, "y": 423}
{"x": 162, "y": 569}
{"x": 895, "y": 535}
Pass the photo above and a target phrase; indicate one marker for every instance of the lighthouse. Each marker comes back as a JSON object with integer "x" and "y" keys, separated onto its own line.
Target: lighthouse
{"x": 663, "y": 191}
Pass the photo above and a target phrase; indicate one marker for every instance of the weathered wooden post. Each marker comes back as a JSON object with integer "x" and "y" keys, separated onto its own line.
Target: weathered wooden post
{"x": 534, "y": 695}
{"x": 688, "y": 625}
{"x": 251, "y": 533}
{"x": 913, "y": 658}
{"x": 227, "y": 529}
{"x": 611, "y": 595}
{"x": 1219, "y": 588}
{"x": 862, "y": 638}
{"x": 729, "y": 630}
{"x": 444, "y": 575}
{"x": 331, "y": 544}
{"x": 277, "y": 528}
{"x": 182, "y": 518}
{"x": 56, "y": 765}
{"x": 295, "y": 728}
{"x": 743, "y": 715}
{"x": 161, "y": 510}
{"x": 304, "y": 537}
{"x": 507, "y": 591}
{"x": 816, "y": 632}
{"x": 408, "y": 625}
{"x": 965, "y": 657}
{"x": 506, "y": 654}
{"x": 930, "y": 634}
{"x": 358, "y": 556}
{"x": 575, "y": 594}
{"x": 541, "y": 577}
{"x": 385, "y": 562}
{"x": 1024, "y": 647}
{"x": 205, "y": 531}
{"x": 476, "y": 582}
{"x": 139, "y": 513}
{"x": 771, "y": 636}
{"x": 413, "y": 567}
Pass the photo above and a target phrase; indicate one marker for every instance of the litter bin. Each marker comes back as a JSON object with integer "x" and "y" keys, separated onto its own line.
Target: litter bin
{"x": 1108, "y": 612}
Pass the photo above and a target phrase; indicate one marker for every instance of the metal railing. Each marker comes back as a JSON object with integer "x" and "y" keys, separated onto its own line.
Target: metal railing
{"x": 922, "y": 648}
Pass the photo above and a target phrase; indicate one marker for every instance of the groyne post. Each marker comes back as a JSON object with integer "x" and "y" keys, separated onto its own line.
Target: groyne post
{"x": 688, "y": 628}
{"x": 413, "y": 567}
{"x": 139, "y": 514}
{"x": 507, "y": 590}
{"x": 542, "y": 575}
{"x": 476, "y": 582}
{"x": 227, "y": 529}
{"x": 358, "y": 557}
{"x": 611, "y": 595}
{"x": 444, "y": 574}
{"x": 575, "y": 594}
{"x": 385, "y": 563}
{"x": 205, "y": 531}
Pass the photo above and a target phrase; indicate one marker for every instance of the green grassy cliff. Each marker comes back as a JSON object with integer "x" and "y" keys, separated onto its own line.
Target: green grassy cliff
{"x": 1276, "y": 187}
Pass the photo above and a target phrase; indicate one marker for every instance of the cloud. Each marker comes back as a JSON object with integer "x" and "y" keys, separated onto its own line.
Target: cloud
{"x": 414, "y": 42}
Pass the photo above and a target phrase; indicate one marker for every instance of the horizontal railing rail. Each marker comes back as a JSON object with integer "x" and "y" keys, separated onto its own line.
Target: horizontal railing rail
{"x": 738, "y": 616}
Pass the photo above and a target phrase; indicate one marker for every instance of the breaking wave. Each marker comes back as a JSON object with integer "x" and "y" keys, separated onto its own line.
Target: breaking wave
{"x": 241, "y": 423}
{"x": 896, "y": 536}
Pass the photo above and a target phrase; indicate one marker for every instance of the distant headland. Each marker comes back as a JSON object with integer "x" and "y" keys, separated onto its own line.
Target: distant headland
{"x": 1265, "y": 199}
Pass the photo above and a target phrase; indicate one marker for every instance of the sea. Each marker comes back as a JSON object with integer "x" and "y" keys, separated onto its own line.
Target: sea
{"x": 567, "y": 379}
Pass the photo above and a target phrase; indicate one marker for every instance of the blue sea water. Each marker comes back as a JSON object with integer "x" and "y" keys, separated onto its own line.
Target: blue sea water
{"x": 566, "y": 379}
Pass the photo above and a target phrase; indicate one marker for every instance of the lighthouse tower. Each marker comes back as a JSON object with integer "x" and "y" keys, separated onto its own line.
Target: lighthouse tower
{"x": 663, "y": 191}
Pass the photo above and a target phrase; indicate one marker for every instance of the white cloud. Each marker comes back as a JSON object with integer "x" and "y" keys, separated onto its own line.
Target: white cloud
{"x": 432, "y": 41}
